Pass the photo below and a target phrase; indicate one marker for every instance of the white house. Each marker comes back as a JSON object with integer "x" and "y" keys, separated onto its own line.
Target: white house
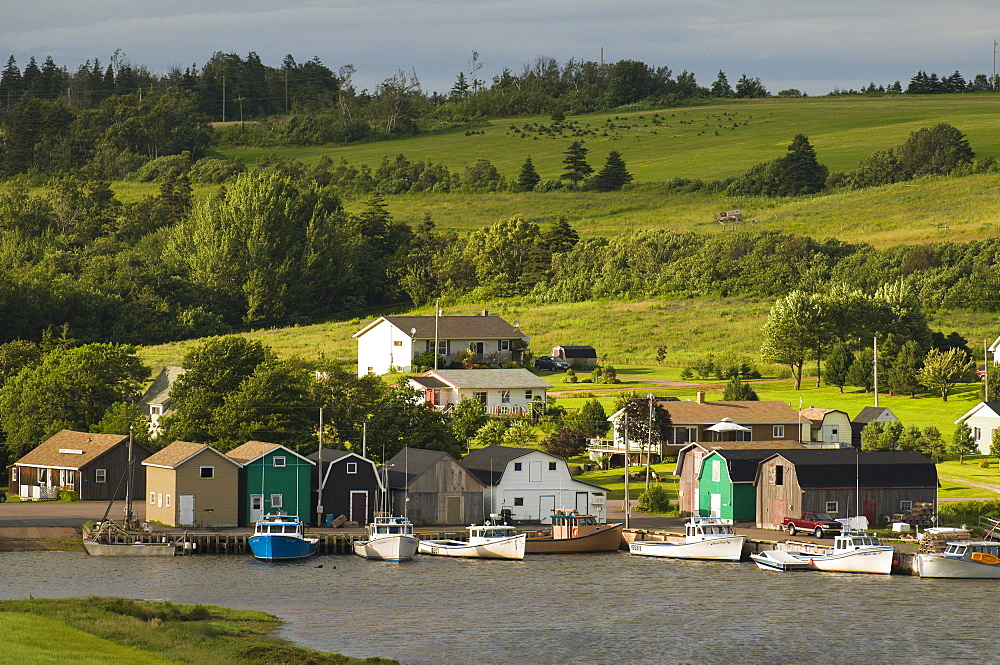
{"x": 391, "y": 342}
{"x": 869, "y": 414}
{"x": 532, "y": 484}
{"x": 155, "y": 402}
{"x": 982, "y": 419}
{"x": 828, "y": 428}
{"x": 502, "y": 391}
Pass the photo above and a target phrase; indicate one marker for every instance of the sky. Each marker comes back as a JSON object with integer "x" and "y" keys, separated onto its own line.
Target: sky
{"x": 811, "y": 45}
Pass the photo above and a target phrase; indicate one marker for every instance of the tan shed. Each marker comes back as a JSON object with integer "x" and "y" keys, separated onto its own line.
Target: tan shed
{"x": 192, "y": 484}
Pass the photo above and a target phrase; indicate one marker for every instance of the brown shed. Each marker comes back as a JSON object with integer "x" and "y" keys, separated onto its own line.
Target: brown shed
{"x": 192, "y": 484}
{"x": 433, "y": 488}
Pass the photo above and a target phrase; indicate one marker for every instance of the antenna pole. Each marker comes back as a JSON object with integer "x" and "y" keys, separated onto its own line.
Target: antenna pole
{"x": 626, "y": 502}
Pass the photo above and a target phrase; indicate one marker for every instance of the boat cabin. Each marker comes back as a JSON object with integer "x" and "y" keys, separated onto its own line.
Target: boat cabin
{"x": 711, "y": 527}
{"x": 982, "y": 552}
{"x": 570, "y": 524}
{"x": 854, "y": 540}
{"x": 486, "y": 531}
{"x": 391, "y": 526}
{"x": 274, "y": 525}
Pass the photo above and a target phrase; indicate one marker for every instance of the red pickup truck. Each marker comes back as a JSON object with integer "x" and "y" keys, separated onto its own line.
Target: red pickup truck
{"x": 819, "y": 524}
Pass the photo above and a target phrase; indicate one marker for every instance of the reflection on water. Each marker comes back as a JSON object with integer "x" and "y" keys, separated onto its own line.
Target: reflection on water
{"x": 591, "y": 608}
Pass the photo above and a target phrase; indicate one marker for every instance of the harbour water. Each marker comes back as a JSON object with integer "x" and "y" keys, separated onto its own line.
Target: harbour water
{"x": 604, "y": 608}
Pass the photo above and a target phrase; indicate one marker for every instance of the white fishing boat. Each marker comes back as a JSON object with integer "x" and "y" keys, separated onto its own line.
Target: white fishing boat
{"x": 778, "y": 560}
{"x": 389, "y": 539}
{"x": 486, "y": 541}
{"x": 709, "y": 538}
{"x": 853, "y": 552}
{"x": 974, "y": 559}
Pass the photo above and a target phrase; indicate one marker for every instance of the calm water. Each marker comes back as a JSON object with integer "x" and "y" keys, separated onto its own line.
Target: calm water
{"x": 609, "y": 608}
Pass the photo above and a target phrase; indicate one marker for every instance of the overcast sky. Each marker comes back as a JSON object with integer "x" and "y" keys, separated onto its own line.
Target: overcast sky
{"x": 811, "y": 45}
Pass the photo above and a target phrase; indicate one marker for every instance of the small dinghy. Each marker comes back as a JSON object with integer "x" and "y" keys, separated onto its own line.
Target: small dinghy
{"x": 778, "y": 560}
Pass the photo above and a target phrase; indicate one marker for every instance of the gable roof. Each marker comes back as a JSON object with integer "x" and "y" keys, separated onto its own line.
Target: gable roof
{"x": 488, "y": 464}
{"x": 742, "y": 464}
{"x": 578, "y": 351}
{"x": 847, "y": 468}
{"x": 709, "y": 446}
{"x": 429, "y": 381}
{"x": 488, "y": 378}
{"x": 991, "y": 406}
{"x": 179, "y": 452}
{"x": 68, "y": 449}
{"x": 450, "y": 327}
{"x": 251, "y": 451}
{"x": 331, "y": 455}
{"x": 872, "y": 413}
{"x": 159, "y": 391}
{"x": 816, "y": 416}
{"x": 691, "y": 412}
{"x": 410, "y": 463}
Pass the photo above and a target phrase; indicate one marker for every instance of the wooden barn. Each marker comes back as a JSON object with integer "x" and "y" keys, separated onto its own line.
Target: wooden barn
{"x": 89, "y": 464}
{"x": 272, "y": 479}
{"x": 726, "y": 483}
{"x": 576, "y": 355}
{"x": 431, "y": 487}
{"x": 351, "y": 485}
{"x": 192, "y": 484}
{"x": 844, "y": 483}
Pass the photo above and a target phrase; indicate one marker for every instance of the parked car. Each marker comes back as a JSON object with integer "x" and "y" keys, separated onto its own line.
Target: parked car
{"x": 551, "y": 363}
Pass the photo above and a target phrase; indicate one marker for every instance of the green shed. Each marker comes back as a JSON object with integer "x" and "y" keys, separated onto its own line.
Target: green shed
{"x": 726, "y": 483}
{"x": 273, "y": 479}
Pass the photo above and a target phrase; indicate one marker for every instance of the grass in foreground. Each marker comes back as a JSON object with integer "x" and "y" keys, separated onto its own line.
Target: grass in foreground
{"x": 115, "y": 630}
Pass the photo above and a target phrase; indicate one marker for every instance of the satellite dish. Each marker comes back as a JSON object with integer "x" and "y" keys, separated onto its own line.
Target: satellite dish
{"x": 517, "y": 324}
{"x": 413, "y": 332}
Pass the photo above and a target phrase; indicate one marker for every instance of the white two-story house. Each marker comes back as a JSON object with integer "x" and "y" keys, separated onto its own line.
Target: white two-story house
{"x": 502, "y": 391}
{"x": 532, "y": 484}
{"x": 391, "y": 342}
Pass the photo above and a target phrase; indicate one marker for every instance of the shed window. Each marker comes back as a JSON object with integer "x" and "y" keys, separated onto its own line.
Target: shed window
{"x": 977, "y": 433}
{"x": 716, "y": 471}
{"x": 208, "y": 472}
{"x": 779, "y": 474}
{"x": 505, "y": 396}
{"x": 833, "y": 507}
{"x": 152, "y": 498}
{"x": 279, "y": 461}
{"x": 552, "y": 466}
{"x": 166, "y": 500}
{"x": 100, "y": 475}
{"x": 905, "y": 506}
{"x": 517, "y": 466}
{"x": 779, "y": 431}
{"x": 276, "y": 501}
{"x": 519, "y": 501}
{"x": 352, "y": 467}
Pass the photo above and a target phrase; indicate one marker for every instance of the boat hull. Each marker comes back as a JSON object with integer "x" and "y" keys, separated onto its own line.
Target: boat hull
{"x": 778, "y": 560}
{"x": 282, "y": 548}
{"x": 729, "y": 548}
{"x": 129, "y": 549}
{"x": 387, "y": 548}
{"x": 606, "y": 540}
{"x": 935, "y": 565}
{"x": 505, "y": 548}
{"x": 875, "y": 561}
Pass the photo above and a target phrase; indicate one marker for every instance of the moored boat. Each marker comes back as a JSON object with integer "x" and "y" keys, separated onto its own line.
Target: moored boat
{"x": 778, "y": 560}
{"x": 389, "y": 539}
{"x": 281, "y": 538}
{"x": 853, "y": 552}
{"x": 575, "y": 533}
{"x": 710, "y": 538}
{"x": 109, "y": 539}
{"x": 974, "y": 559}
{"x": 486, "y": 541}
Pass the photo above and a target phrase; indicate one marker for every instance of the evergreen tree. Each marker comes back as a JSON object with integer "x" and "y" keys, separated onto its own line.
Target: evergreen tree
{"x": 613, "y": 175}
{"x": 593, "y": 420}
{"x": 862, "y": 373}
{"x": 560, "y": 238}
{"x": 737, "y": 391}
{"x": 902, "y": 376}
{"x": 962, "y": 443}
{"x": 871, "y": 436}
{"x": 528, "y": 177}
{"x": 838, "y": 363}
{"x": 577, "y": 168}
{"x": 11, "y": 86}
{"x": 800, "y": 172}
{"x": 461, "y": 87}
{"x": 721, "y": 87}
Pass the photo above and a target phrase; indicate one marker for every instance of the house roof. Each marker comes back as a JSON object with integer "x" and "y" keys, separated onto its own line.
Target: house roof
{"x": 488, "y": 378}
{"x": 410, "y": 463}
{"x": 67, "y": 449}
{"x": 709, "y": 446}
{"x": 816, "y": 416}
{"x": 992, "y": 406}
{"x": 179, "y": 452}
{"x": 871, "y": 414}
{"x": 251, "y": 451}
{"x": 331, "y": 455}
{"x": 488, "y": 464}
{"x": 429, "y": 381}
{"x": 743, "y": 463}
{"x": 708, "y": 413}
{"x": 578, "y": 351}
{"x": 450, "y": 327}
{"x": 159, "y": 391}
{"x": 817, "y": 469}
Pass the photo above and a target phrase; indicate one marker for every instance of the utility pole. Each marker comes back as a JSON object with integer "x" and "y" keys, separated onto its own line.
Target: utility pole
{"x": 993, "y": 83}
{"x": 875, "y": 366}
{"x": 437, "y": 315}
{"x": 626, "y": 502}
{"x": 223, "y": 99}
{"x": 649, "y": 442}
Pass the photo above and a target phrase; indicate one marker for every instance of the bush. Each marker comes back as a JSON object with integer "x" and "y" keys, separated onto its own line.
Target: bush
{"x": 213, "y": 170}
{"x": 956, "y": 513}
{"x": 68, "y": 496}
{"x": 161, "y": 168}
{"x": 654, "y": 500}
{"x": 570, "y": 376}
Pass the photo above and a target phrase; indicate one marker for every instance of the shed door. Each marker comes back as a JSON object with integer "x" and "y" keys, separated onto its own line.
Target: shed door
{"x": 185, "y": 509}
{"x": 778, "y": 509}
{"x": 546, "y": 506}
{"x": 359, "y": 506}
{"x": 256, "y": 507}
{"x": 581, "y": 503}
{"x": 534, "y": 472}
{"x": 715, "y": 505}
{"x": 868, "y": 509}
{"x": 453, "y": 506}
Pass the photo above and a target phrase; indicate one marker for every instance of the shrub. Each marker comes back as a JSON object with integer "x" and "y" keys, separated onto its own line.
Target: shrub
{"x": 654, "y": 500}
{"x": 161, "y": 168}
{"x": 213, "y": 170}
{"x": 570, "y": 376}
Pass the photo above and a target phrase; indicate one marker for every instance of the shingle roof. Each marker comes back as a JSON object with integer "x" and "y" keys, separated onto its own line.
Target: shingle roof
{"x": 410, "y": 463}
{"x": 578, "y": 351}
{"x": 816, "y": 415}
{"x": 251, "y": 450}
{"x": 331, "y": 455}
{"x": 743, "y": 463}
{"x": 179, "y": 452}
{"x": 488, "y": 464}
{"x": 452, "y": 327}
{"x": 781, "y": 444}
{"x": 841, "y": 468}
{"x": 489, "y": 378}
{"x": 159, "y": 391}
{"x": 743, "y": 413}
{"x": 91, "y": 446}
{"x": 429, "y": 381}
{"x": 870, "y": 414}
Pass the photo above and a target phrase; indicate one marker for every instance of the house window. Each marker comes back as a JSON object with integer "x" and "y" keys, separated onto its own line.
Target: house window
{"x": 100, "y": 475}
{"x": 397, "y": 342}
{"x": 833, "y": 507}
{"x": 480, "y": 396}
{"x": 352, "y": 467}
{"x": 528, "y": 396}
{"x": 442, "y": 347}
{"x": 152, "y": 498}
{"x": 208, "y": 472}
{"x": 517, "y": 466}
{"x": 505, "y": 345}
{"x": 685, "y": 434}
{"x": 159, "y": 499}
{"x": 779, "y": 431}
{"x": 743, "y": 436}
{"x": 276, "y": 501}
{"x": 166, "y": 500}
{"x": 505, "y": 397}
{"x": 977, "y": 433}
{"x": 716, "y": 471}
{"x": 279, "y": 461}
{"x": 552, "y": 466}
{"x": 779, "y": 474}
{"x": 905, "y": 506}
{"x": 155, "y": 409}
{"x": 518, "y": 501}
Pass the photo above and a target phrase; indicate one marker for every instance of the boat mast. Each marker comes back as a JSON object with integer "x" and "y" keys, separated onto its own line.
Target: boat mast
{"x": 129, "y": 517}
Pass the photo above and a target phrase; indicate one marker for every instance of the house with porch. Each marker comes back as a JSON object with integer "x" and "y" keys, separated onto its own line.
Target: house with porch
{"x": 532, "y": 484}
{"x": 431, "y": 487}
{"x": 349, "y": 485}
{"x": 192, "y": 484}
{"x": 273, "y": 478}
{"x": 843, "y": 483}
{"x": 391, "y": 342}
{"x": 91, "y": 465}
{"x": 828, "y": 428}
{"x": 501, "y": 391}
{"x": 983, "y": 419}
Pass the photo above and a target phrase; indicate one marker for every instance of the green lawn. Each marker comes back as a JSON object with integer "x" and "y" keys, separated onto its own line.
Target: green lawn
{"x": 613, "y": 480}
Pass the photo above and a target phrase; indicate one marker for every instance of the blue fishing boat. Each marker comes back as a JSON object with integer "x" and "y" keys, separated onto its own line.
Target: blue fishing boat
{"x": 281, "y": 538}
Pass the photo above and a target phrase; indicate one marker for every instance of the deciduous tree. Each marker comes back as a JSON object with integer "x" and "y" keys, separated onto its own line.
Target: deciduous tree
{"x": 944, "y": 370}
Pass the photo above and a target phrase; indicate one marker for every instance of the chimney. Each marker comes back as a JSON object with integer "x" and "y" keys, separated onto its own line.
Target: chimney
{"x": 700, "y": 397}
{"x": 486, "y": 312}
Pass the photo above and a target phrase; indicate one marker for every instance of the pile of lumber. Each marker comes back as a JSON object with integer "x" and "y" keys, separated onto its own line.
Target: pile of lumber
{"x": 933, "y": 541}
{"x": 921, "y": 515}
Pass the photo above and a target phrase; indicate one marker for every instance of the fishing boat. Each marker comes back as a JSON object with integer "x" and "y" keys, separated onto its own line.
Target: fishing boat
{"x": 778, "y": 560}
{"x": 486, "y": 541}
{"x": 853, "y": 552}
{"x": 575, "y": 533}
{"x": 278, "y": 537}
{"x": 389, "y": 539}
{"x": 973, "y": 559}
{"x": 711, "y": 538}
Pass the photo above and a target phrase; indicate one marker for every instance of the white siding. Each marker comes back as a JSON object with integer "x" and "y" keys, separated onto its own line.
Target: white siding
{"x": 378, "y": 350}
{"x": 515, "y": 484}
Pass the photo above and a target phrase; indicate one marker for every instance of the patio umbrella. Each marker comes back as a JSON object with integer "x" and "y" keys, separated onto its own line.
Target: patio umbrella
{"x": 727, "y": 425}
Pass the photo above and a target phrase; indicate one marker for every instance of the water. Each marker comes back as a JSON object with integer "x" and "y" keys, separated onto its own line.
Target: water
{"x": 594, "y": 608}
